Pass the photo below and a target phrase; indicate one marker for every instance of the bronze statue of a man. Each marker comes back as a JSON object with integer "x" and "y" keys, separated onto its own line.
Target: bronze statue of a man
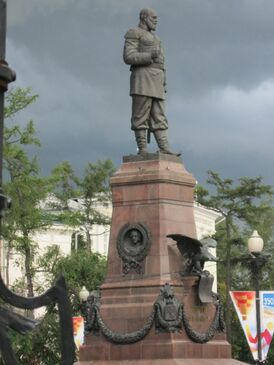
{"x": 144, "y": 53}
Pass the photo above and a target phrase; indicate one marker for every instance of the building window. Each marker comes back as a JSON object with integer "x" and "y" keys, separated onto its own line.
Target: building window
{"x": 78, "y": 241}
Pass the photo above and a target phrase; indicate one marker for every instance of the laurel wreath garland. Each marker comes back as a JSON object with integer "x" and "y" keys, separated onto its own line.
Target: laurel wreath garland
{"x": 217, "y": 325}
{"x": 126, "y": 338}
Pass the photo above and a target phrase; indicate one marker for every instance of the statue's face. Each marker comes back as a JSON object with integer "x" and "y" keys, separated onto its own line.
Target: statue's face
{"x": 134, "y": 235}
{"x": 151, "y": 20}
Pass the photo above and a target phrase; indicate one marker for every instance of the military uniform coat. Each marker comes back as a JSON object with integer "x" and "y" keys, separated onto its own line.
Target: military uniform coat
{"x": 147, "y": 74}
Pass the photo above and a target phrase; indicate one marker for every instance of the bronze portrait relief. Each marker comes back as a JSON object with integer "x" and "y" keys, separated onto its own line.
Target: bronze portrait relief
{"x": 133, "y": 246}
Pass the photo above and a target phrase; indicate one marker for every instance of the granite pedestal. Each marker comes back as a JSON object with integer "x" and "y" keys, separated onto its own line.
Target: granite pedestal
{"x": 157, "y": 192}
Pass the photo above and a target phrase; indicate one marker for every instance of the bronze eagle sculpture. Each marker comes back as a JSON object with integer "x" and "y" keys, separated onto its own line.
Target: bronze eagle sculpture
{"x": 195, "y": 252}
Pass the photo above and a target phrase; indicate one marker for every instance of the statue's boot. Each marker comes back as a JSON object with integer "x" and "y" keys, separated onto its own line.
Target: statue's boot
{"x": 161, "y": 139}
{"x": 141, "y": 139}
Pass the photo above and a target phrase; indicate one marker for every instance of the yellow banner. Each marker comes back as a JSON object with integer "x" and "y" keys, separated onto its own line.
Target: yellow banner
{"x": 78, "y": 331}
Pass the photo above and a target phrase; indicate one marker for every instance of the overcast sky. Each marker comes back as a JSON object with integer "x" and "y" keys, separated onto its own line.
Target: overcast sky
{"x": 220, "y": 73}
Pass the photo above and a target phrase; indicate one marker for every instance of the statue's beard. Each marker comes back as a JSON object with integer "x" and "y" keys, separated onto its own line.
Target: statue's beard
{"x": 150, "y": 25}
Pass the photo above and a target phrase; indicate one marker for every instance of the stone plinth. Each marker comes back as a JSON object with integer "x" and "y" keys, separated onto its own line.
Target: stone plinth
{"x": 159, "y": 194}
{"x": 156, "y": 192}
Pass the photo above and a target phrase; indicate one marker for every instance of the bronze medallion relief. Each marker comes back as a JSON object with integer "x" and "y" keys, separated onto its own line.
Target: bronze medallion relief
{"x": 133, "y": 245}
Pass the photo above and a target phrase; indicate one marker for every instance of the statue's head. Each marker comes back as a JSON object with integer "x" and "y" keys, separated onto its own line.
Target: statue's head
{"x": 135, "y": 236}
{"x": 148, "y": 18}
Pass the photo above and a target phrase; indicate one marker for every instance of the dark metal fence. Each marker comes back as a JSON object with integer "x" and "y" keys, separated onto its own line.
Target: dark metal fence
{"x": 8, "y": 319}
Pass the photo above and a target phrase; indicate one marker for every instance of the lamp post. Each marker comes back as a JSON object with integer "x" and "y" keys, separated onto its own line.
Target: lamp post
{"x": 7, "y": 75}
{"x": 256, "y": 261}
{"x": 83, "y": 295}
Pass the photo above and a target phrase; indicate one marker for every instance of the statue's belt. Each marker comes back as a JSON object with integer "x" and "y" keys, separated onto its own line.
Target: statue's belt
{"x": 157, "y": 65}
{"x": 153, "y": 65}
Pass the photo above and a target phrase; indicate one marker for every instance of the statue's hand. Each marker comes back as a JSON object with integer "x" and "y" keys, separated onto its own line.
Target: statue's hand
{"x": 155, "y": 54}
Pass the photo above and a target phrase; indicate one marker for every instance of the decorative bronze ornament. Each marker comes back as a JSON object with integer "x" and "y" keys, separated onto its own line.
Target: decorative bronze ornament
{"x": 194, "y": 254}
{"x": 133, "y": 245}
{"x": 169, "y": 311}
{"x": 167, "y": 315}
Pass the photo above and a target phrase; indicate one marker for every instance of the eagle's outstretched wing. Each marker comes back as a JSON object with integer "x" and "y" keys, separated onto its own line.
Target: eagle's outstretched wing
{"x": 187, "y": 246}
{"x": 209, "y": 242}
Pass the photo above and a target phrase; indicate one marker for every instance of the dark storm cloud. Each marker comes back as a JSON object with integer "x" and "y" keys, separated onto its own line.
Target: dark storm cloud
{"x": 220, "y": 79}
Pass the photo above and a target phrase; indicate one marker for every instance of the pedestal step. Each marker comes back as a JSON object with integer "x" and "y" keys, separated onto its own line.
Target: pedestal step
{"x": 166, "y": 362}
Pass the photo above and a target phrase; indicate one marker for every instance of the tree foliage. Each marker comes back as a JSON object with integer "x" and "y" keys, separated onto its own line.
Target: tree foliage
{"x": 82, "y": 268}
{"x": 87, "y": 192}
{"x": 42, "y": 346}
{"x": 28, "y": 191}
{"x": 24, "y": 185}
{"x": 245, "y": 205}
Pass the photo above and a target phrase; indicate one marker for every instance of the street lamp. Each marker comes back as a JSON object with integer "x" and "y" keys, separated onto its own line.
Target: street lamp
{"x": 256, "y": 261}
{"x": 83, "y": 294}
{"x": 255, "y": 243}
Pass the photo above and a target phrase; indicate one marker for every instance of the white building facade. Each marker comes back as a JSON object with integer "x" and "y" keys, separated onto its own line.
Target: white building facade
{"x": 67, "y": 239}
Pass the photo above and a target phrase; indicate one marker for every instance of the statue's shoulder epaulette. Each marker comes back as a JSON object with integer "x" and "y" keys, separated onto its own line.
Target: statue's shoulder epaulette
{"x": 134, "y": 33}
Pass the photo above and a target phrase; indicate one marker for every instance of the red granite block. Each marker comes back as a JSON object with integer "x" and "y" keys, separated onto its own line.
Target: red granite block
{"x": 120, "y": 352}
{"x": 158, "y": 194}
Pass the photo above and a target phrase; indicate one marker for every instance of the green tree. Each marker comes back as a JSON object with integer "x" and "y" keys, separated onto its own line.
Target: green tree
{"x": 65, "y": 189}
{"x": 28, "y": 190}
{"x": 90, "y": 193}
{"x": 42, "y": 345}
{"x": 240, "y": 204}
{"x": 23, "y": 185}
{"x": 82, "y": 268}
